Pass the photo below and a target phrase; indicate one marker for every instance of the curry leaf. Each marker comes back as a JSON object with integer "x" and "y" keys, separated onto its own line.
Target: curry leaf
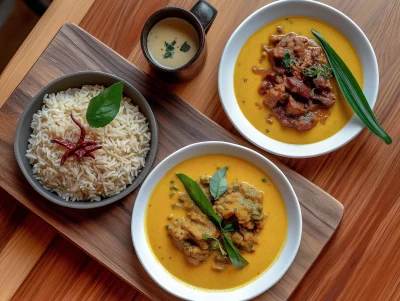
{"x": 317, "y": 70}
{"x": 169, "y": 49}
{"x": 198, "y": 196}
{"x": 104, "y": 107}
{"x": 237, "y": 259}
{"x": 287, "y": 60}
{"x": 206, "y": 236}
{"x": 218, "y": 184}
{"x": 185, "y": 47}
{"x": 352, "y": 90}
{"x": 229, "y": 228}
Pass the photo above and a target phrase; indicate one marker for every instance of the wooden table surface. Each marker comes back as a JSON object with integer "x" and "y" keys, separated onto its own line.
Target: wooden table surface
{"x": 362, "y": 261}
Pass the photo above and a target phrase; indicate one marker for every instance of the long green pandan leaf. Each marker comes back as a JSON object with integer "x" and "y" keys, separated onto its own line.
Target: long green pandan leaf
{"x": 352, "y": 90}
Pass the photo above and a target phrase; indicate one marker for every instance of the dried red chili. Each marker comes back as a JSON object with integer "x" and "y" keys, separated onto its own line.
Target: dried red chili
{"x": 82, "y": 148}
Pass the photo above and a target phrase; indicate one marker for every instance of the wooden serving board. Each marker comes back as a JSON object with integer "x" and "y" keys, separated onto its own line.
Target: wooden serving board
{"x": 104, "y": 233}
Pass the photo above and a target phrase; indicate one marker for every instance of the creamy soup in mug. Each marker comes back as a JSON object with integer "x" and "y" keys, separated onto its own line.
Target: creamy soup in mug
{"x": 172, "y": 42}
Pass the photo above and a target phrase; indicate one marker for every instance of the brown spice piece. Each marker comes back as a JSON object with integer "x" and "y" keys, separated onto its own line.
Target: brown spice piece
{"x": 258, "y": 105}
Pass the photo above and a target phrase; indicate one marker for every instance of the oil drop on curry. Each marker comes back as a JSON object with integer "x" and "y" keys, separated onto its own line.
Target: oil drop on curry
{"x": 193, "y": 246}
{"x": 291, "y": 94}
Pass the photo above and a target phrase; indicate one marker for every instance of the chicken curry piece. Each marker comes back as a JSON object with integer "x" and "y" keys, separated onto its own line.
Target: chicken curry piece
{"x": 241, "y": 206}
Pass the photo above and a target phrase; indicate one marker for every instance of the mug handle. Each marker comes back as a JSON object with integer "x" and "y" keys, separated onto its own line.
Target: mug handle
{"x": 205, "y": 12}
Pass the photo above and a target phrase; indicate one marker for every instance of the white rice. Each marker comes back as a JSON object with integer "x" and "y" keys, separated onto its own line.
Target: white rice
{"x": 125, "y": 142}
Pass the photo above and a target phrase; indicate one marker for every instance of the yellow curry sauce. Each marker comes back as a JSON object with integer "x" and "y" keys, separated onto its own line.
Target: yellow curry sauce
{"x": 246, "y": 83}
{"x": 271, "y": 238}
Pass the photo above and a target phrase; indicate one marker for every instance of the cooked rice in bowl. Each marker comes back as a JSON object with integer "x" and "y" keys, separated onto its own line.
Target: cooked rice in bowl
{"x": 125, "y": 144}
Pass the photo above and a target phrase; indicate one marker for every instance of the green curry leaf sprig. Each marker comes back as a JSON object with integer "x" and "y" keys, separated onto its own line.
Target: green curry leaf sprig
{"x": 317, "y": 70}
{"x": 169, "y": 49}
{"x": 201, "y": 200}
{"x": 104, "y": 107}
{"x": 287, "y": 60}
{"x": 352, "y": 90}
{"x": 218, "y": 183}
{"x": 217, "y": 243}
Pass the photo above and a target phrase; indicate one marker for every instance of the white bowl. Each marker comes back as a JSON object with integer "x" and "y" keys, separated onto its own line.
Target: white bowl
{"x": 178, "y": 288}
{"x": 266, "y": 15}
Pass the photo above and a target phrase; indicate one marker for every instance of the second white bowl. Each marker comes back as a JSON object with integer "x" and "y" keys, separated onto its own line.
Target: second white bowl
{"x": 266, "y": 15}
{"x": 254, "y": 288}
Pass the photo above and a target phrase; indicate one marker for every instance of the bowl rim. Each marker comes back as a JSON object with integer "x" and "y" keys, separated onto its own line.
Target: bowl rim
{"x": 139, "y": 219}
{"x": 353, "y": 127}
{"x": 52, "y": 196}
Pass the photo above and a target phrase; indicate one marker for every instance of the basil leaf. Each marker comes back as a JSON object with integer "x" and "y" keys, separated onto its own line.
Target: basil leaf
{"x": 218, "y": 184}
{"x": 229, "y": 228}
{"x": 352, "y": 90}
{"x": 237, "y": 259}
{"x": 104, "y": 107}
{"x": 206, "y": 236}
{"x": 198, "y": 196}
{"x": 185, "y": 47}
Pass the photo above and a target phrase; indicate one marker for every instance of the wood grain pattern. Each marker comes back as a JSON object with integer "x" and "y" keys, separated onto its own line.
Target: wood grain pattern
{"x": 22, "y": 18}
{"x": 105, "y": 233}
{"x": 62, "y": 267}
{"x": 360, "y": 262}
{"x": 72, "y": 276}
{"x": 23, "y": 250}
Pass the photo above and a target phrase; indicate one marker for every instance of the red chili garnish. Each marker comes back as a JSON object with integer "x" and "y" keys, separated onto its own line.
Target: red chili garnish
{"x": 79, "y": 149}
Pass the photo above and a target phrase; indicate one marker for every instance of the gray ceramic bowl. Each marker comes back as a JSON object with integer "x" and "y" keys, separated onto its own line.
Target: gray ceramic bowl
{"x": 76, "y": 80}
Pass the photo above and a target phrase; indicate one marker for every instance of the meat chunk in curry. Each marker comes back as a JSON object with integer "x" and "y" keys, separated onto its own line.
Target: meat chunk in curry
{"x": 240, "y": 205}
{"x": 298, "y": 86}
{"x": 187, "y": 232}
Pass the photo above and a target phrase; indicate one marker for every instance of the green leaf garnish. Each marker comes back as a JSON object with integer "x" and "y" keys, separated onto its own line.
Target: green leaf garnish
{"x": 206, "y": 236}
{"x": 104, "y": 107}
{"x": 169, "y": 49}
{"x": 201, "y": 200}
{"x": 228, "y": 228}
{"x": 185, "y": 47}
{"x": 317, "y": 70}
{"x": 352, "y": 90}
{"x": 218, "y": 184}
{"x": 198, "y": 196}
{"x": 234, "y": 255}
{"x": 287, "y": 60}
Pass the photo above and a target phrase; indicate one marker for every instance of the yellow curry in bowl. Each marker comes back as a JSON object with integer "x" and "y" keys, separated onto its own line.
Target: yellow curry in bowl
{"x": 283, "y": 83}
{"x": 176, "y": 227}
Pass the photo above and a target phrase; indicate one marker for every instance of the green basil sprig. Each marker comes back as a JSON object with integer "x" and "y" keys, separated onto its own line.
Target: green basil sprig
{"x": 104, "y": 107}
{"x": 352, "y": 90}
{"x": 218, "y": 183}
{"x": 201, "y": 200}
